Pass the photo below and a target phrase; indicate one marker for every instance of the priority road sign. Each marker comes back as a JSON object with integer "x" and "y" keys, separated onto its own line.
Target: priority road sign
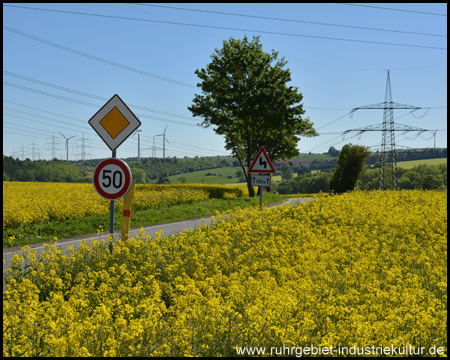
{"x": 262, "y": 163}
{"x": 114, "y": 122}
{"x": 112, "y": 179}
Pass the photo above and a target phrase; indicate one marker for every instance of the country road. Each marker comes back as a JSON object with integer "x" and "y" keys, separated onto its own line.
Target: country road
{"x": 168, "y": 229}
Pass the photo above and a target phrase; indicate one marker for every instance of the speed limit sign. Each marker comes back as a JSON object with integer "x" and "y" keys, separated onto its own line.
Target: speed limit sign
{"x": 112, "y": 178}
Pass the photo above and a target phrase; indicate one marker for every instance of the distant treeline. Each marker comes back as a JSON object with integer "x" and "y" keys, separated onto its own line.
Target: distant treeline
{"x": 433, "y": 177}
{"x": 144, "y": 171}
{"x": 150, "y": 170}
{"x": 42, "y": 170}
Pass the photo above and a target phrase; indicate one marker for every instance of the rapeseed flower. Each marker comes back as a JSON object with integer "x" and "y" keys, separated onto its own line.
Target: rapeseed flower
{"x": 358, "y": 269}
{"x": 29, "y": 202}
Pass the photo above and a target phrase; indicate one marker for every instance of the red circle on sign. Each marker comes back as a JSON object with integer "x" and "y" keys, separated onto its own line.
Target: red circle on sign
{"x": 124, "y": 185}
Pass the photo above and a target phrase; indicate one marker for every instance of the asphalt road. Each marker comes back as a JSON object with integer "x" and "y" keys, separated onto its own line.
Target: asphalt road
{"x": 168, "y": 229}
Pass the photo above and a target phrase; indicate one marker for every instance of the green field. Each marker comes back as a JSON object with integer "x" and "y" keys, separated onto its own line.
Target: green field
{"x": 412, "y": 163}
{"x": 199, "y": 177}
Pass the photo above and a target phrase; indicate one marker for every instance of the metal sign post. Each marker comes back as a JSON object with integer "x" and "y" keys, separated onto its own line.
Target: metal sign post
{"x": 111, "y": 217}
{"x": 112, "y": 180}
{"x": 261, "y": 181}
{"x": 114, "y": 123}
{"x": 260, "y": 197}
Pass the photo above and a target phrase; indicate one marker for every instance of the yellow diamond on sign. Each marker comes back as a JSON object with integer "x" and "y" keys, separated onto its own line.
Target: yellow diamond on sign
{"x": 114, "y": 122}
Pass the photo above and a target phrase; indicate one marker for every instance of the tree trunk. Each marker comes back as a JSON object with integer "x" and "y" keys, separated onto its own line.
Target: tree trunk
{"x": 251, "y": 190}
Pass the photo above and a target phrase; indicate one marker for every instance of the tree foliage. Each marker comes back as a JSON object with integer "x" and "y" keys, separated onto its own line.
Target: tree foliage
{"x": 305, "y": 184}
{"x": 350, "y": 165}
{"x": 246, "y": 98}
{"x": 286, "y": 172}
{"x": 332, "y": 151}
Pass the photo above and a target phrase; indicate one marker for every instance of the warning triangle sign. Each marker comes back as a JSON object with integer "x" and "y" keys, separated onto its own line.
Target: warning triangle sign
{"x": 262, "y": 163}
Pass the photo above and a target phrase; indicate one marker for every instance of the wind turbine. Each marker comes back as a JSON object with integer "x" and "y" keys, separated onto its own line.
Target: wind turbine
{"x": 164, "y": 141}
{"x": 67, "y": 145}
{"x": 139, "y": 143}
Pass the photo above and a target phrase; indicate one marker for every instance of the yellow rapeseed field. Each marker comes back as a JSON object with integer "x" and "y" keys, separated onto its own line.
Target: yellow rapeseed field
{"x": 29, "y": 202}
{"x": 356, "y": 270}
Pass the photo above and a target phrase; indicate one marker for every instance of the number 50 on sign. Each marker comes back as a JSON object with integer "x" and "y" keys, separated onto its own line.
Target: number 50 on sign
{"x": 112, "y": 179}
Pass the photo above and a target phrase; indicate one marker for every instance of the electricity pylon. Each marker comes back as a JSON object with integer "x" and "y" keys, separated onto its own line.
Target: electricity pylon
{"x": 387, "y": 156}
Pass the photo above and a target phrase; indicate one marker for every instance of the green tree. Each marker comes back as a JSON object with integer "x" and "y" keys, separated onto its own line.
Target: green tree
{"x": 286, "y": 172}
{"x": 432, "y": 182}
{"x": 350, "y": 165}
{"x": 246, "y": 98}
{"x": 138, "y": 175}
{"x": 332, "y": 151}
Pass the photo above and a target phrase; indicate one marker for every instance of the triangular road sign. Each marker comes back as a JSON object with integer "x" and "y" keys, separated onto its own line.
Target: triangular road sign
{"x": 262, "y": 163}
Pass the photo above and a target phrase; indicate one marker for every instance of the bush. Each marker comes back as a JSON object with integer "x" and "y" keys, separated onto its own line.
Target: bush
{"x": 305, "y": 184}
{"x": 350, "y": 165}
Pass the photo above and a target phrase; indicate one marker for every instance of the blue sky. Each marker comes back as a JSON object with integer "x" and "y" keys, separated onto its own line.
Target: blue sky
{"x": 60, "y": 67}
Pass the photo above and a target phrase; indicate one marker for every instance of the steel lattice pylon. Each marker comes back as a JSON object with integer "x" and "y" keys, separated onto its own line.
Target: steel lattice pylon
{"x": 388, "y": 148}
{"x": 387, "y": 156}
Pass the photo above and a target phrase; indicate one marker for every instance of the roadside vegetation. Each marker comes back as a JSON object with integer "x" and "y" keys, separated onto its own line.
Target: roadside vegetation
{"x": 39, "y": 212}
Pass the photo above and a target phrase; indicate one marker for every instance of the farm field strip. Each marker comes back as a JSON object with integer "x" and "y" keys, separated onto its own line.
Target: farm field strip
{"x": 410, "y": 164}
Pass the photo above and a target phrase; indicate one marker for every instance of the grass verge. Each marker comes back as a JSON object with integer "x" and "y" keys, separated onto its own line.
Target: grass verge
{"x": 62, "y": 229}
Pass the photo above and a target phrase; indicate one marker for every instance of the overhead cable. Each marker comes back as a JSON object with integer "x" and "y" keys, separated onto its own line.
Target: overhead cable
{"x": 292, "y": 20}
{"x": 391, "y": 9}
{"x": 91, "y": 95}
{"x": 206, "y": 26}
{"x": 62, "y": 47}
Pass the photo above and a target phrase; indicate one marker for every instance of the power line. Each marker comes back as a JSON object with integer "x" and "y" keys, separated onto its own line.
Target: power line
{"x": 52, "y": 125}
{"x": 52, "y": 85}
{"x": 331, "y": 122}
{"x": 21, "y": 133}
{"x": 402, "y": 10}
{"x": 129, "y": 149}
{"x": 198, "y": 25}
{"x": 8, "y": 125}
{"x": 191, "y": 146}
{"x": 184, "y": 147}
{"x": 91, "y": 95}
{"x": 97, "y": 58}
{"x": 59, "y": 126}
{"x": 49, "y": 94}
{"x": 48, "y": 112}
{"x": 41, "y": 122}
{"x": 90, "y": 104}
{"x": 291, "y": 20}
{"x": 331, "y": 141}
